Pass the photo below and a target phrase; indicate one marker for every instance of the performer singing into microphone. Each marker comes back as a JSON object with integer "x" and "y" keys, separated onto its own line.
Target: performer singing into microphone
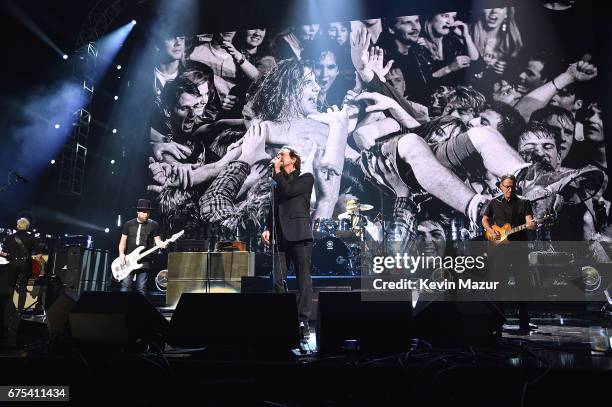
{"x": 290, "y": 231}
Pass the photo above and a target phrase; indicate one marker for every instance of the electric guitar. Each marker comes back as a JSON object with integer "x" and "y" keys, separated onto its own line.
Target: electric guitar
{"x": 38, "y": 266}
{"x": 507, "y": 230}
{"x": 131, "y": 260}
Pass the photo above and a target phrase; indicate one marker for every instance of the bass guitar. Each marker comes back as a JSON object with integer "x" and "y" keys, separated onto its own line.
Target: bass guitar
{"x": 131, "y": 260}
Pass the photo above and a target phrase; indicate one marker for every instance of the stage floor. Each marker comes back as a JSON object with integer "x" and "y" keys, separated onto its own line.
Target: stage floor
{"x": 592, "y": 333}
{"x": 567, "y": 361}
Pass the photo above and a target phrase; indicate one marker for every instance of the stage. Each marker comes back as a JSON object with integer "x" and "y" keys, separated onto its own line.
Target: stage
{"x": 307, "y": 203}
{"x": 568, "y": 360}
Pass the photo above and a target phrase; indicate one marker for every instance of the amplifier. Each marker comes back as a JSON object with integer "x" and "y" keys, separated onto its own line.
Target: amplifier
{"x": 77, "y": 240}
{"x": 82, "y": 269}
{"x": 203, "y": 272}
{"x": 550, "y": 258}
{"x": 559, "y": 283}
{"x": 231, "y": 246}
{"x": 35, "y": 294}
{"x": 191, "y": 245}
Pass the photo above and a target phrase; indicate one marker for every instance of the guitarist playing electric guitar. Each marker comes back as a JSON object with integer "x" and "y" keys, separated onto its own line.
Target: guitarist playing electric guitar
{"x": 511, "y": 259}
{"x": 141, "y": 231}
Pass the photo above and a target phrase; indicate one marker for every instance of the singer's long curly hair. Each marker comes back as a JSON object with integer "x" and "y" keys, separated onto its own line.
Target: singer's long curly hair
{"x": 278, "y": 94}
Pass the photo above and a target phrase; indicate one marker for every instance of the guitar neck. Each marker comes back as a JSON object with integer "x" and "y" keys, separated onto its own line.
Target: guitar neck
{"x": 152, "y": 249}
{"x": 517, "y": 229}
{"x": 146, "y": 253}
{"x": 524, "y": 226}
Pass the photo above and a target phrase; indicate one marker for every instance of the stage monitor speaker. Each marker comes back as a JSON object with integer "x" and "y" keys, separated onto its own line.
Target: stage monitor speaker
{"x": 244, "y": 322}
{"x": 458, "y": 323}
{"x": 30, "y": 332}
{"x": 57, "y": 314}
{"x": 377, "y": 326}
{"x": 116, "y": 317}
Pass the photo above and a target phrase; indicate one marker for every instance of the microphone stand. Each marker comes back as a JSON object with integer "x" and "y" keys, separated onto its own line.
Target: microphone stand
{"x": 383, "y": 225}
{"x": 273, "y": 231}
{"x": 14, "y": 180}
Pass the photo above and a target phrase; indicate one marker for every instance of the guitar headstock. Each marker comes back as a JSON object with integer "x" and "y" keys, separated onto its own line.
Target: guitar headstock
{"x": 175, "y": 236}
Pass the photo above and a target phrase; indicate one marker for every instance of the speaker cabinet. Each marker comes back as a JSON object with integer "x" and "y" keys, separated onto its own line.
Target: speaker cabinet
{"x": 197, "y": 272}
{"x": 459, "y": 323}
{"x": 57, "y": 314}
{"x": 116, "y": 317}
{"x": 376, "y": 326}
{"x": 82, "y": 269}
{"x": 236, "y": 322}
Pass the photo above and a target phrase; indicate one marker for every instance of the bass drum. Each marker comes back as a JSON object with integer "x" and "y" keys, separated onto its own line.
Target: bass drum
{"x": 330, "y": 257}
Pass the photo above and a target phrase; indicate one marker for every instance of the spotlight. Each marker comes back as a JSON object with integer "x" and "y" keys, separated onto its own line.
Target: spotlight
{"x": 114, "y": 131}
{"x": 52, "y": 162}
{"x": 106, "y": 230}
{"x": 134, "y": 22}
{"x": 65, "y": 56}
{"x": 112, "y": 161}
{"x": 118, "y": 66}
{"x": 57, "y": 126}
{"x": 116, "y": 97}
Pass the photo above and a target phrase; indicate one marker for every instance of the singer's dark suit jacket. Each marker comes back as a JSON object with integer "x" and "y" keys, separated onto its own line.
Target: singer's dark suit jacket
{"x": 292, "y": 205}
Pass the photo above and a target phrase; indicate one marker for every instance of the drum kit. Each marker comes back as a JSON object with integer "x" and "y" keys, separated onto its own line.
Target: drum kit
{"x": 337, "y": 245}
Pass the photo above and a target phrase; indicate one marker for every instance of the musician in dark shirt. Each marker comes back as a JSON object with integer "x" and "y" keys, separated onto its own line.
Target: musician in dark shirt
{"x": 140, "y": 231}
{"x": 17, "y": 249}
{"x": 511, "y": 258}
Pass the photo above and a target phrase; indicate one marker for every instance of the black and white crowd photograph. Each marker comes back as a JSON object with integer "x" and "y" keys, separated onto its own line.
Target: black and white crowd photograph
{"x": 306, "y": 203}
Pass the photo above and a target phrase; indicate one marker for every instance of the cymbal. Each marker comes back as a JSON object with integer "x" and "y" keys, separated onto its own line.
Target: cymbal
{"x": 361, "y": 207}
{"x": 347, "y": 215}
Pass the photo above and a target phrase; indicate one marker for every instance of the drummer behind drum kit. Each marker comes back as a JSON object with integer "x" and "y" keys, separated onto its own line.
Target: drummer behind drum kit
{"x": 337, "y": 246}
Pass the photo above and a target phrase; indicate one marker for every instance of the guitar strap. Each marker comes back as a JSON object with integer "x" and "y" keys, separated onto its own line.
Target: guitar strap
{"x": 514, "y": 215}
{"x": 24, "y": 251}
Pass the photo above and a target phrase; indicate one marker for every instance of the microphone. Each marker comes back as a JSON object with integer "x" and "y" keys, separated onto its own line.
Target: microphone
{"x": 20, "y": 177}
{"x": 271, "y": 172}
{"x": 271, "y": 166}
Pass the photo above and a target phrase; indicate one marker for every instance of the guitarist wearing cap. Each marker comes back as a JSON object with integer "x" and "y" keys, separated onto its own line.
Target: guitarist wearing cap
{"x": 510, "y": 209}
{"x": 140, "y": 231}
